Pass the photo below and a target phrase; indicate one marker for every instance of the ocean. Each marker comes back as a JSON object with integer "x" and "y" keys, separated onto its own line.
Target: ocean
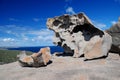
{"x": 36, "y": 49}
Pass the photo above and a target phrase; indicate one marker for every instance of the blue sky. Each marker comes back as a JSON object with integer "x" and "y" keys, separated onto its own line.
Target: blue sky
{"x": 23, "y": 22}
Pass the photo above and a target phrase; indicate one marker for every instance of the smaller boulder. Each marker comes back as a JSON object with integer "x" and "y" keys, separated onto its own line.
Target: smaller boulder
{"x": 114, "y": 31}
{"x": 39, "y": 59}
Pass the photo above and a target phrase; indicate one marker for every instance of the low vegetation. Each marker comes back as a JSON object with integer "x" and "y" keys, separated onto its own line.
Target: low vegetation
{"x": 8, "y": 56}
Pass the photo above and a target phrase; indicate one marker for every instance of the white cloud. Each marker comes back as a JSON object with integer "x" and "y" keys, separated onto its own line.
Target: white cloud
{"x": 8, "y": 40}
{"x": 39, "y": 37}
{"x": 113, "y": 22}
{"x": 40, "y": 32}
{"x": 13, "y": 19}
{"x": 99, "y": 25}
{"x": 36, "y": 19}
{"x": 42, "y": 35}
{"x": 44, "y": 38}
{"x": 5, "y": 42}
{"x": 33, "y": 39}
{"x": 8, "y": 31}
{"x": 13, "y": 30}
{"x": 25, "y": 38}
{"x": 70, "y": 10}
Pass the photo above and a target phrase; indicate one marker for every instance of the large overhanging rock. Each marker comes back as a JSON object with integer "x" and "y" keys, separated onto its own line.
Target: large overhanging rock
{"x": 36, "y": 59}
{"x": 77, "y": 35}
{"x": 114, "y": 31}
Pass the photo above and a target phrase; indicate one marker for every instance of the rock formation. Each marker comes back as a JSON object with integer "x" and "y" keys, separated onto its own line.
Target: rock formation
{"x": 36, "y": 59}
{"x": 77, "y": 35}
{"x": 114, "y": 31}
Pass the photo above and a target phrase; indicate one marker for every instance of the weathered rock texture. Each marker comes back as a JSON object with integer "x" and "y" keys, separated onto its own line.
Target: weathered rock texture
{"x": 66, "y": 68}
{"x": 114, "y": 31}
{"x": 76, "y": 34}
{"x": 36, "y": 59}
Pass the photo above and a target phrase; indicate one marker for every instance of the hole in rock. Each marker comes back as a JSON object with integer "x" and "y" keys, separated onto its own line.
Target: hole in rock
{"x": 88, "y": 31}
{"x": 56, "y": 22}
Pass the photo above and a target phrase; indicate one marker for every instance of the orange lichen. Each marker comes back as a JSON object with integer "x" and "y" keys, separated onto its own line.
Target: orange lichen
{"x": 95, "y": 51}
{"x": 45, "y": 54}
{"x": 27, "y": 59}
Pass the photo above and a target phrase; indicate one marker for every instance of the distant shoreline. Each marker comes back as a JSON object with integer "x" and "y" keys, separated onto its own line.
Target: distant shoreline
{"x": 8, "y": 54}
{"x": 37, "y": 48}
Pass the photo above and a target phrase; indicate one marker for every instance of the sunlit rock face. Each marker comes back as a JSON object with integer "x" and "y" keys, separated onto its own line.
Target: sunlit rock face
{"x": 77, "y": 35}
{"x": 39, "y": 59}
{"x": 114, "y": 31}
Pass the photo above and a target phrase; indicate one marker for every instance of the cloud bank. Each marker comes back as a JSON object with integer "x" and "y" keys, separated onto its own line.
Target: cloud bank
{"x": 99, "y": 25}
{"x": 70, "y": 10}
{"x": 113, "y": 22}
{"x": 14, "y": 35}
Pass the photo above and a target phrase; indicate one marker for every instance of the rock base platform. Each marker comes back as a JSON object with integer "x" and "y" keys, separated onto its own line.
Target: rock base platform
{"x": 66, "y": 68}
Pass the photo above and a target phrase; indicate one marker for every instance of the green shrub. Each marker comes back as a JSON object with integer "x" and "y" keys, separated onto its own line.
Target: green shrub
{"x": 8, "y": 56}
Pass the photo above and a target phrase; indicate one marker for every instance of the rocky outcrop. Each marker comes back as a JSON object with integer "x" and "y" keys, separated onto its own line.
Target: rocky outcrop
{"x": 66, "y": 68}
{"x": 77, "y": 35}
{"x": 114, "y": 31}
{"x": 36, "y": 59}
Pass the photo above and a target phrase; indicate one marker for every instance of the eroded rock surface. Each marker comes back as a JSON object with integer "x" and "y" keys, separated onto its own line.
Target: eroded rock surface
{"x": 77, "y": 35}
{"x": 66, "y": 68}
{"x": 36, "y": 59}
{"x": 114, "y": 31}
